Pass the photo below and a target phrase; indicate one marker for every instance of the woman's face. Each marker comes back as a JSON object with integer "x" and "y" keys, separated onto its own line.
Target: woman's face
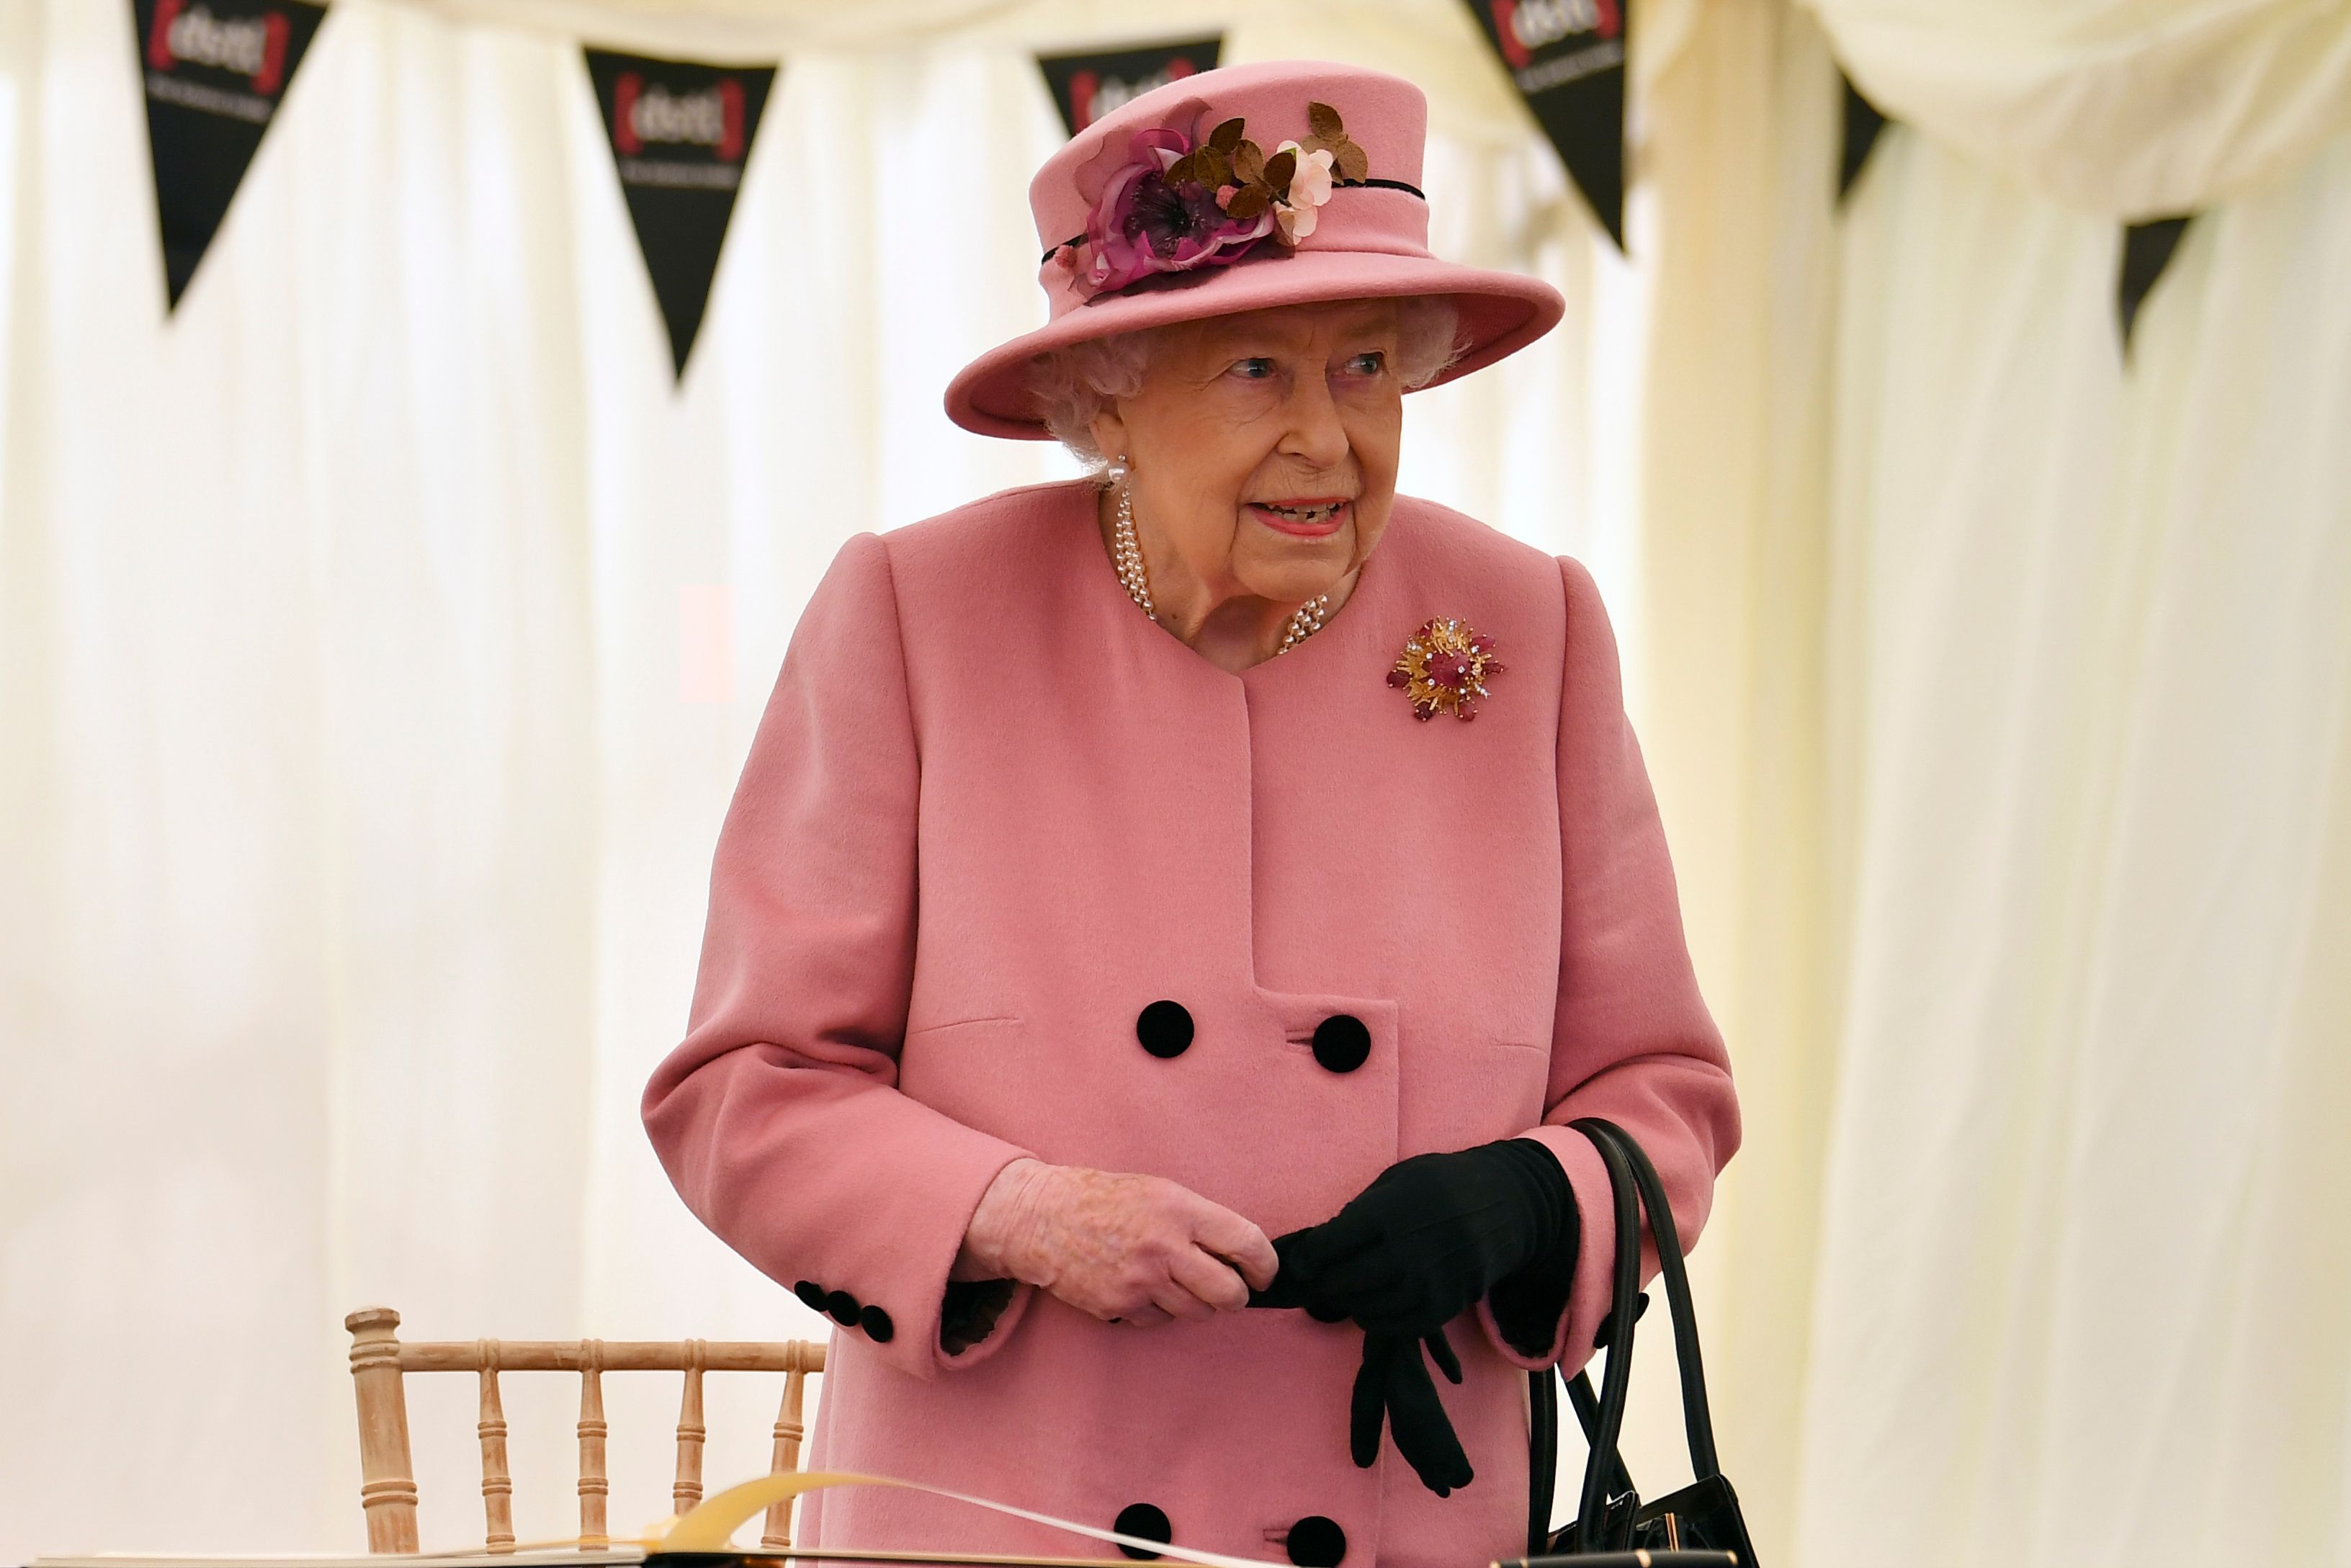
{"x": 1262, "y": 447}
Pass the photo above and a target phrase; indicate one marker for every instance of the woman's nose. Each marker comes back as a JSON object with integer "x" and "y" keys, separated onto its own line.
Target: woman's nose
{"x": 1315, "y": 433}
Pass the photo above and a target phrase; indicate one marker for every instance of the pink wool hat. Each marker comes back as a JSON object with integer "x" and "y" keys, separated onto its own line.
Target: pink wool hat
{"x": 1167, "y": 211}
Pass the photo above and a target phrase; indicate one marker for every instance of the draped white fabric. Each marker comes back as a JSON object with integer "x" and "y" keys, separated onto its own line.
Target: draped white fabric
{"x": 2084, "y": 1267}
{"x": 2138, "y": 108}
{"x": 379, "y": 642}
{"x": 1997, "y": 697}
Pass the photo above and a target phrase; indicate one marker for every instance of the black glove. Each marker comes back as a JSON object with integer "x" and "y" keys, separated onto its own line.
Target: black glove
{"x": 1412, "y": 1252}
{"x": 1431, "y": 1235}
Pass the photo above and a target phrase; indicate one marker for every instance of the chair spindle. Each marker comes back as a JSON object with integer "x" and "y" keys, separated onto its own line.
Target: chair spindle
{"x": 777, "y": 1536}
{"x": 594, "y": 1485}
{"x": 497, "y": 1482}
{"x": 687, "y": 1492}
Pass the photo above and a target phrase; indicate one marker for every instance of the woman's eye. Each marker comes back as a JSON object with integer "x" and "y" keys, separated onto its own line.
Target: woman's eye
{"x": 1369, "y": 363}
{"x": 1253, "y": 369}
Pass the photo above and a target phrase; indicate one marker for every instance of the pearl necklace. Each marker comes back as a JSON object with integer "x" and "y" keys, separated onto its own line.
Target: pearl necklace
{"x": 1127, "y": 555}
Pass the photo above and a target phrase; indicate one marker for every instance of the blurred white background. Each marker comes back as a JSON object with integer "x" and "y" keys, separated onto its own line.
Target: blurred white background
{"x": 362, "y": 750}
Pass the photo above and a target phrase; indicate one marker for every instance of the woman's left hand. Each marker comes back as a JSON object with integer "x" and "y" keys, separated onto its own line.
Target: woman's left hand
{"x": 1431, "y": 1235}
{"x": 1412, "y": 1252}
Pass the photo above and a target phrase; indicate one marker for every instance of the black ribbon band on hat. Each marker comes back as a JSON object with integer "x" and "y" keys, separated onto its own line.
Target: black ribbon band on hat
{"x": 1335, "y": 184}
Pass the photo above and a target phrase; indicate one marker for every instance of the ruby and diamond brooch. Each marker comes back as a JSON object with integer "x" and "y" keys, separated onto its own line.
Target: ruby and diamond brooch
{"x": 1444, "y": 668}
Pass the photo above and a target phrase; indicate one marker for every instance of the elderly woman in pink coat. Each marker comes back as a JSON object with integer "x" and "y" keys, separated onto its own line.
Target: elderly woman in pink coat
{"x": 1169, "y": 920}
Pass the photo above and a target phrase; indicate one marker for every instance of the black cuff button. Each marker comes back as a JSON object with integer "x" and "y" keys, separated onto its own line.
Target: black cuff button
{"x": 843, "y": 1308}
{"x": 1317, "y": 1542}
{"x": 1343, "y": 1044}
{"x": 1165, "y": 1029}
{"x": 1144, "y": 1519}
{"x": 1600, "y": 1338}
{"x": 811, "y": 1293}
{"x": 877, "y": 1326}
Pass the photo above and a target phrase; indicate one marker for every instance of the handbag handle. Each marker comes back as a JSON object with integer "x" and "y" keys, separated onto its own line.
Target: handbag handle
{"x": 1542, "y": 1458}
{"x": 1634, "y": 1185}
{"x": 1698, "y": 1414}
{"x": 1627, "y": 1284}
{"x": 1586, "y": 1405}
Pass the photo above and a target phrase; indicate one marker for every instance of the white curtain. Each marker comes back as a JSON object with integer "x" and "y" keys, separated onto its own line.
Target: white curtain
{"x": 1996, "y": 691}
{"x": 2136, "y": 108}
{"x": 1998, "y": 695}
{"x": 379, "y": 642}
{"x": 2086, "y": 1261}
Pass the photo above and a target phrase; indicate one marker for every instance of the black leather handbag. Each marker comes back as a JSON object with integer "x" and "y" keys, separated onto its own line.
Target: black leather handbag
{"x": 1699, "y": 1524}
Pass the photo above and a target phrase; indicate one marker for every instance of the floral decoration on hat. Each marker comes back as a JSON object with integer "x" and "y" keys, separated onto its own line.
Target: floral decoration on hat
{"x": 1178, "y": 205}
{"x": 1445, "y": 666}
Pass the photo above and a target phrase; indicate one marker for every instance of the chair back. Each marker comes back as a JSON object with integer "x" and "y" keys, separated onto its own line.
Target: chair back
{"x": 388, "y": 1482}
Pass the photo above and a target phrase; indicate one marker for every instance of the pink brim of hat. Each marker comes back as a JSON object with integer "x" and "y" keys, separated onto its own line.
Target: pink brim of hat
{"x": 1501, "y": 313}
{"x": 1370, "y": 243}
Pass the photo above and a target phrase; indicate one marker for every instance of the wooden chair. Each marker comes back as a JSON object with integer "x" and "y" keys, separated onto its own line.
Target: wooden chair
{"x": 388, "y": 1484}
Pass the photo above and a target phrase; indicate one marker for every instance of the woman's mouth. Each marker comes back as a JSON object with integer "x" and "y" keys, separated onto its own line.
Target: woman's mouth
{"x": 1310, "y": 517}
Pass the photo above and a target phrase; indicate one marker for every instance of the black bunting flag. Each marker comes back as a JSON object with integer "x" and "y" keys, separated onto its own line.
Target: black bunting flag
{"x": 1863, "y": 122}
{"x": 215, "y": 71}
{"x": 1567, "y": 59}
{"x": 1087, "y": 87}
{"x": 2147, "y": 249}
{"x": 680, "y": 132}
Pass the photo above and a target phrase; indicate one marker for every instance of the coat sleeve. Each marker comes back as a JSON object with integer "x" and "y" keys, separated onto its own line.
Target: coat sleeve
{"x": 780, "y": 1118}
{"x": 1632, "y": 1039}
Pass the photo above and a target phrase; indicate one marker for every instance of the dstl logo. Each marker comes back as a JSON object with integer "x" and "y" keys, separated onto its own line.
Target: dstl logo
{"x": 252, "y": 47}
{"x": 1093, "y": 96}
{"x": 712, "y": 117}
{"x": 1526, "y": 26}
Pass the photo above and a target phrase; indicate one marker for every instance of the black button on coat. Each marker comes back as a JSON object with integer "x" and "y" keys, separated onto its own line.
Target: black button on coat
{"x": 1147, "y": 1521}
{"x": 1316, "y": 1541}
{"x": 1164, "y": 1028}
{"x": 1342, "y": 1043}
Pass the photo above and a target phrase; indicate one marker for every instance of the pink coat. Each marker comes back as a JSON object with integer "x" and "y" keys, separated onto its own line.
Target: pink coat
{"x": 991, "y": 815}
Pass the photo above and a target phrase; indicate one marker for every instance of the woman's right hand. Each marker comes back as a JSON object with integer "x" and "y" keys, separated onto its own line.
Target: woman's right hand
{"x": 1132, "y": 1248}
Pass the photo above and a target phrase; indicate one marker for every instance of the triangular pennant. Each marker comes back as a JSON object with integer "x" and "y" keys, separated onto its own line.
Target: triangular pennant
{"x": 1863, "y": 122}
{"x": 1567, "y": 59}
{"x": 680, "y": 132}
{"x": 2147, "y": 249}
{"x": 215, "y": 71}
{"x": 1086, "y": 86}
